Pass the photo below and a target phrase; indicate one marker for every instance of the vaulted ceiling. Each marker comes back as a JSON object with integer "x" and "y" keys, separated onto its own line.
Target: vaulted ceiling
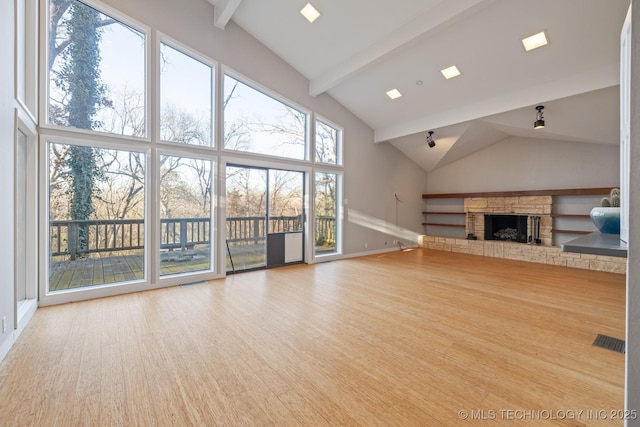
{"x": 359, "y": 49}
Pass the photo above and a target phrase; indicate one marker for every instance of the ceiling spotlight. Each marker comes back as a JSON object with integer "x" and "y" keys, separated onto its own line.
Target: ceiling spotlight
{"x": 539, "y": 123}
{"x": 310, "y": 12}
{"x": 430, "y": 142}
{"x": 450, "y": 72}
{"x": 394, "y": 94}
{"x": 535, "y": 41}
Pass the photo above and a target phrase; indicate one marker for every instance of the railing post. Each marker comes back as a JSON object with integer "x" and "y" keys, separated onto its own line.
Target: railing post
{"x": 183, "y": 234}
{"x": 72, "y": 240}
{"x": 256, "y": 230}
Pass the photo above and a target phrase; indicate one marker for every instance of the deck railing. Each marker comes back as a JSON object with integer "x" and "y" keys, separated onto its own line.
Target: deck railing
{"x": 71, "y": 238}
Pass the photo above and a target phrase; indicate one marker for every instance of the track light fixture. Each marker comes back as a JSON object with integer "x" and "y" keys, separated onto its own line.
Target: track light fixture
{"x": 430, "y": 142}
{"x": 539, "y": 123}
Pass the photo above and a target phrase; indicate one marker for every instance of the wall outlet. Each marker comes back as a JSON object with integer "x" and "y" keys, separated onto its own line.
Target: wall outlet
{"x": 395, "y": 242}
{"x": 4, "y": 324}
{"x": 366, "y": 245}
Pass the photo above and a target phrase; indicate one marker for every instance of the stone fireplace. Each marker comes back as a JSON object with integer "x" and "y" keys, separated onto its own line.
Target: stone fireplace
{"x": 515, "y": 219}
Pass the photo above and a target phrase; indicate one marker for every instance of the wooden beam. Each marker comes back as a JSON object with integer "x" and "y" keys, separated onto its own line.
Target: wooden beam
{"x": 223, "y": 11}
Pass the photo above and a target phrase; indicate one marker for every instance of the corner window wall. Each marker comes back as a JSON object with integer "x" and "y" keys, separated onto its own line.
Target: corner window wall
{"x": 120, "y": 180}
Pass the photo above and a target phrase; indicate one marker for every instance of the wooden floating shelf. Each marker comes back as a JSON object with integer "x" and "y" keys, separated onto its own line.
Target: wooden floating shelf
{"x": 444, "y": 213}
{"x": 570, "y": 216}
{"x": 444, "y": 225}
{"x": 601, "y": 191}
{"x": 571, "y": 231}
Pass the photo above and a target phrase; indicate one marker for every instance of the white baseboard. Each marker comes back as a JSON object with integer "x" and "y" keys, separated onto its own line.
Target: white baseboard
{"x": 25, "y": 313}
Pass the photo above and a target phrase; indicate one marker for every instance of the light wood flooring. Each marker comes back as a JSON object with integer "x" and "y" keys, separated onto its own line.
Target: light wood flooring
{"x": 401, "y": 339}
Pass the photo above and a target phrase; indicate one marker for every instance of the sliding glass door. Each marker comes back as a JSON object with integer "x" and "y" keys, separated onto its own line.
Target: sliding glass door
{"x": 285, "y": 238}
{"x": 265, "y": 217}
{"x": 246, "y": 211}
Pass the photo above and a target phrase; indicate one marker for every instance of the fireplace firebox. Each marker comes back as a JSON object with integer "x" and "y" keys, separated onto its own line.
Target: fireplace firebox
{"x": 506, "y": 227}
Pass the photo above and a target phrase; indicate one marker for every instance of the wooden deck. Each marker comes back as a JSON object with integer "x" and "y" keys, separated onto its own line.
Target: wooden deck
{"x": 106, "y": 269}
{"x": 101, "y": 268}
{"x": 95, "y": 271}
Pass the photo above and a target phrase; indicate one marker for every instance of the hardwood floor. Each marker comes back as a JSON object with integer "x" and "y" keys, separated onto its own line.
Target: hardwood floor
{"x": 401, "y": 339}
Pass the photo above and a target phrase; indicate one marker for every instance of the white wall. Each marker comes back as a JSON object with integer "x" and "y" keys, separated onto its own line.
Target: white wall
{"x": 7, "y": 101}
{"x": 373, "y": 172}
{"x": 529, "y": 164}
{"x": 632, "y": 395}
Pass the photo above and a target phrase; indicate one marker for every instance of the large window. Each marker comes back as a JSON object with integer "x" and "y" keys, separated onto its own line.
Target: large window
{"x": 186, "y": 98}
{"x": 260, "y": 124}
{"x": 326, "y": 211}
{"x": 129, "y": 195}
{"x": 185, "y": 215}
{"x": 96, "y": 68}
{"x": 96, "y": 216}
{"x": 328, "y": 143}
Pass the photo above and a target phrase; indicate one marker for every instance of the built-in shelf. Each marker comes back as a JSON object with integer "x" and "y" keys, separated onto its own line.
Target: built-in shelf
{"x": 443, "y": 213}
{"x": 565, "y": 228}
{"x": 557, "y": 192}
{"x": 444, "y": 225}
{"x": 555, "y": 230}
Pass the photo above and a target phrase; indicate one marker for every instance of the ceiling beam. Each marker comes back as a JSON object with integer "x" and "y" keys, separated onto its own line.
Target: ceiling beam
{"x": 441, "y": 14}
{"x": 223, "y": 11}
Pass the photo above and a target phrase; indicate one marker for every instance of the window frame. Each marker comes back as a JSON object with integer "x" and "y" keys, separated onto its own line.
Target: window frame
{"x": 338, "y": 253}
{"x": 177, "y": 150}
{"x": 44, "y": 71}
{"x": 161, "y": 39}
{"x": 47, "y": 296}
{"x": 339, "y": 143}
{"x": 279, "y": 98}
{"x": 26, "y": 56}
{"x": 23, "y": 124}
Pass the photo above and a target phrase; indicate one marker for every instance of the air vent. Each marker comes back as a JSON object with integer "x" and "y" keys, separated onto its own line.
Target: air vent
{"x": 186, "y": 285}
{"x": 610, "y": 343}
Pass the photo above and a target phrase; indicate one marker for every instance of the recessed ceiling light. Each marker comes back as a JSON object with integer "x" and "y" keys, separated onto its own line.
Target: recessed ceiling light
{"x": 394, "y": 93}
{"x": 450, "y": 72}
{"x": 535, "y": 41}
{"x": 310, "y": 12}
{"x": 419, "y": 82}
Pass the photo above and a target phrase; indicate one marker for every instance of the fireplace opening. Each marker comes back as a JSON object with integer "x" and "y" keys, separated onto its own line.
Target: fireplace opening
{"x": 506, "y": 227}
